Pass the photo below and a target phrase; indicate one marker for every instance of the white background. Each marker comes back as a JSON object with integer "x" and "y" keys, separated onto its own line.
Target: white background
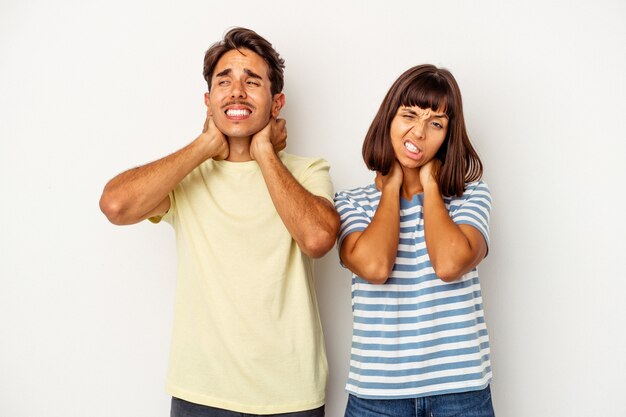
{"x": 88, "y": 89}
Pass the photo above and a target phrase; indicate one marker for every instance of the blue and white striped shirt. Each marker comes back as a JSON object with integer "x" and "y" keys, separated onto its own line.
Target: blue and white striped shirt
{"x": 416, "y": 335}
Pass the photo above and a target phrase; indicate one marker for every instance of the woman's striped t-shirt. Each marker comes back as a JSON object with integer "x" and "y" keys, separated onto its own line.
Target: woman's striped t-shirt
{"x": 416, "y": 335}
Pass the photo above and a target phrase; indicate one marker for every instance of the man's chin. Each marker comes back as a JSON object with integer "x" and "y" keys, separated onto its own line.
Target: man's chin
{"x": 239, "y": 132}
{"x": 237, "y": 136}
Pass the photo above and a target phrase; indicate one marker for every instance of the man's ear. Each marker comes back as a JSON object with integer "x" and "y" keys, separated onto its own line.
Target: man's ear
{"x": 278, "y": 103}
{"x": 207, "y": 102}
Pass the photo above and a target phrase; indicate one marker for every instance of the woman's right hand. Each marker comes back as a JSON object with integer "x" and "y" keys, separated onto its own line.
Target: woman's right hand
{"x": 392, "y": 179}
{"x": 371, "y": 254}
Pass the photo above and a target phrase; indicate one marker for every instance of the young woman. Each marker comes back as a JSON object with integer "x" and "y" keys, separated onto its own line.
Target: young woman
{"x": 413, "y": 240}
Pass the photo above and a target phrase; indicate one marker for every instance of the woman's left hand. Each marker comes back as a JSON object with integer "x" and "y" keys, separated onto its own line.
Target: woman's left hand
{"x": 430, "y": 172}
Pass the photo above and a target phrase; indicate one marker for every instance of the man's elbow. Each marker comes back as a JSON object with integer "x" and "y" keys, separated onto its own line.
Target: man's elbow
{"x": 322, "y": 240}
{"x": 319, "y": 244}
{"x": 113, "y": 209}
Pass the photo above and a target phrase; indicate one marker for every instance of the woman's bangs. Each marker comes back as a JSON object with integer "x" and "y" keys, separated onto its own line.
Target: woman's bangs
{"x": 427, "y": 93}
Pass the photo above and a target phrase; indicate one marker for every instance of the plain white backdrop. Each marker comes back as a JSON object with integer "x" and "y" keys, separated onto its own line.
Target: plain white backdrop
{"x": 88, "y": 89}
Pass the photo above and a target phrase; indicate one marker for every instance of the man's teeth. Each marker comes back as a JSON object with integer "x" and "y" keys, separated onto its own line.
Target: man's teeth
{"x": 410, "y": 146}
{"x": 237, "y": 112}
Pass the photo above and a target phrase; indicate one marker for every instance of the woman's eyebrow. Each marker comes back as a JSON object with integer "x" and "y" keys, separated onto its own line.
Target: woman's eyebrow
{"x": 414, "y": 113}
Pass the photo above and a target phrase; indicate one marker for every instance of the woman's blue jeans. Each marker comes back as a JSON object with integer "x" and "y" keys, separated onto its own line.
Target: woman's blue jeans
{"x": 465, "y": 404}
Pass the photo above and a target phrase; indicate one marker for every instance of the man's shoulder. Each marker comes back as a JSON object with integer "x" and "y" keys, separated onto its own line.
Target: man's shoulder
{"x": 301, "y": 159}
{"x": 298, "y": 163}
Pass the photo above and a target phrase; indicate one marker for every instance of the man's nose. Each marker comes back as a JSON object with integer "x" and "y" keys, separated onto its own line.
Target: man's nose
{"x": 237, "y": 90}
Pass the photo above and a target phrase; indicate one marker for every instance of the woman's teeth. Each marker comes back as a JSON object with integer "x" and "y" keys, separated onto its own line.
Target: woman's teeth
{"x": 410, "y": 147}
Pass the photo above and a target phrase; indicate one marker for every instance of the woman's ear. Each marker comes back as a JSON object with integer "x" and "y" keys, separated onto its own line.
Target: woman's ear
{"x": 278, "y": 102}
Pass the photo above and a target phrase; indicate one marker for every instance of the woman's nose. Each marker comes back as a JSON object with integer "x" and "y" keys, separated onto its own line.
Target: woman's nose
{"x": 418, "y": 130}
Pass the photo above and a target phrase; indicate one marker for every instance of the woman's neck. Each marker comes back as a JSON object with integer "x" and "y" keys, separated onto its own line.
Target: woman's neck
{"x": 411, "y": 183}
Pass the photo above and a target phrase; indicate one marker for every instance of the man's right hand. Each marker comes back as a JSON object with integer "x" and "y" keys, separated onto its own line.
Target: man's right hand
{"x": 217, "y": 145}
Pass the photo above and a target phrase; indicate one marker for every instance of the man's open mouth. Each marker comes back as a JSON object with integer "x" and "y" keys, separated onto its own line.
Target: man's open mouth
{"x": 237, "y": 112}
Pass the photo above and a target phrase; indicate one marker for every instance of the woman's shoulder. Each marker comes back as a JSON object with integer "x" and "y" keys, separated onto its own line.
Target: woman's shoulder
{"x": 357, "y": 193}
{"x": 366, "y": 198}
{"x": 475, "y": 194}
{"x": 473, "y": 190}
{"x": 479, "y": 186}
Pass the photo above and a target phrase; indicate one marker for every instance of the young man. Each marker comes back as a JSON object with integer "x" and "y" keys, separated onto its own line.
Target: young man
{"x": 248, "y": 219}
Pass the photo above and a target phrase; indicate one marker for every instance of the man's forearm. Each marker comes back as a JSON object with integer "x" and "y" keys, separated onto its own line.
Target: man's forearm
{"x": 311, "y": 220}
{"x": 142, "y": 192}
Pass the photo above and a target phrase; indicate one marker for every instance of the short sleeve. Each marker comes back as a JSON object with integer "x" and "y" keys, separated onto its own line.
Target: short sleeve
{"x": 473, "y": 208}
{"x": 353, "y": 216}
{"x": 168, "y": 216}
{"x": 316, "y": 179}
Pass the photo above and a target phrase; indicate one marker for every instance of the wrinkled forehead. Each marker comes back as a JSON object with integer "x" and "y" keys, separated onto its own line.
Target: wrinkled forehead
{"x": 242, "y": 60}
{"x": 423, "y": 113}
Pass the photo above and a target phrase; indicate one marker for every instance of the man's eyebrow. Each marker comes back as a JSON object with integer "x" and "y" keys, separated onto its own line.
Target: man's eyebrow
{"x": 223, "y": 73}
{"x": 248, "y": 72}
{"x": 252, "y": 74}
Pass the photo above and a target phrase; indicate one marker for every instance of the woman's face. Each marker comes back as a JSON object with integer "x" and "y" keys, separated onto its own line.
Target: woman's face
{"x": 417, "y": 134}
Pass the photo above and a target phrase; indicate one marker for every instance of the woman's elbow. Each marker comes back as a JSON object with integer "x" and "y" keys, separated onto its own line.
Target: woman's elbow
{"x": 456, "y": 263}
{"x": 447, "y": 276}
{"x": 376, "y": 272}
{"x": 370, "y": 268}
{"x": 377, "y": 279}
{"x": 449, "y": 271}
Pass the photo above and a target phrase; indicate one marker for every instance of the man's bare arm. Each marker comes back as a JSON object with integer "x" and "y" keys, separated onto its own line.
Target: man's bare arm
{"x": 143, "y": 192}
{"x": 311, "y": 220}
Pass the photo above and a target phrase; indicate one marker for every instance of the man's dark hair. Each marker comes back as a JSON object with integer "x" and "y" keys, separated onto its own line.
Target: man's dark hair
{"x": 426, "y": 86}
{"x": 241, "y": 38}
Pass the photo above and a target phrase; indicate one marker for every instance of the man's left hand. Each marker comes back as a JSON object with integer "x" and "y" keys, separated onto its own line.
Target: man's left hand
{"x": 273, "y": 137}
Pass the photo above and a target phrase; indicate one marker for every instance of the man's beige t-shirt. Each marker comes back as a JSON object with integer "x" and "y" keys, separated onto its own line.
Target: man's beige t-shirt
{"x": 247, "y": 335}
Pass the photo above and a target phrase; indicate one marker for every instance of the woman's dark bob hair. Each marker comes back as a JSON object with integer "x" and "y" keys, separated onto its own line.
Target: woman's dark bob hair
{"x": 426, "y": 86}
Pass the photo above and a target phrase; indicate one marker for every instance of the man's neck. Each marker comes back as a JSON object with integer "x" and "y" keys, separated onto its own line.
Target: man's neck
{"x": 239, "y": 149}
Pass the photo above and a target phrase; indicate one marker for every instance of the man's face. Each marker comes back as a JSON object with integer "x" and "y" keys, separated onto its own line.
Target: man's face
{"x": 240, "y": 100}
